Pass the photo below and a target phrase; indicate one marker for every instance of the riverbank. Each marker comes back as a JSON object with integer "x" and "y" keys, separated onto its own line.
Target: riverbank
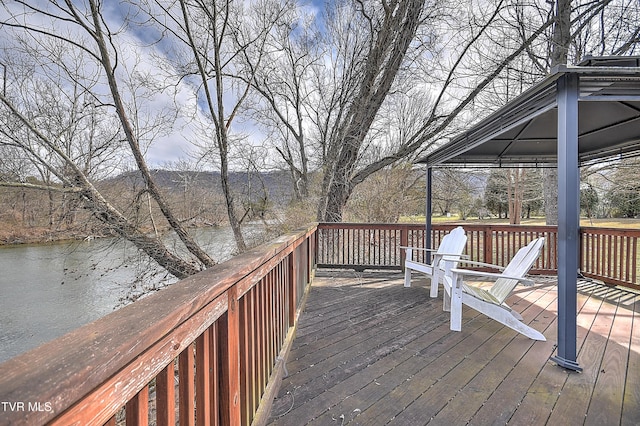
{"x": 42, "y": 235}
{"x": 37, "y": 235}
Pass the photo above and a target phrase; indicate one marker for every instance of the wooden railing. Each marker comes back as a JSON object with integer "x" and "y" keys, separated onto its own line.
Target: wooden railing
{"x": 609, "y": 255}
{"x": 207, "y": 350}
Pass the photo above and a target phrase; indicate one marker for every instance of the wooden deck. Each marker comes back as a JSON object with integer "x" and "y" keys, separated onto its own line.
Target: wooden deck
{"x": 370, "y": 352}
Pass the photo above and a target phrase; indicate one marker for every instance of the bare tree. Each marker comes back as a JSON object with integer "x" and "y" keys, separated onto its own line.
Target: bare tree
{"x": 56, "y": 29}
{"x": 293, "y": 49}
{"x": 221, "y": 44}
{"x": 579, "y": 28}
{"x": 475, "y": 51}
{"x": 454, "y": 190}
{"x": 515, "y": 193}
{"x": 388, "y": 31}
{"x": 400, "y": 186}
{"x": 351, "y": 98}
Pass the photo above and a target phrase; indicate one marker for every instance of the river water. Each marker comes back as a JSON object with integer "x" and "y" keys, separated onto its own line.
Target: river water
{"x": 47, "y": 290}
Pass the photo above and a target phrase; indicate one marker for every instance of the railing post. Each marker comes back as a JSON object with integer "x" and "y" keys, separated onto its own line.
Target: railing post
{"x": 581, "y": 250}
{"x": 488, "y": 245}
{"x": 293, "y": 287}
{"x": 230, "y": 354}
{"x": 316, "y": 248}
{"x": 307, "y": 254}
{"x": 634, "y": 262}
{"x": 404, "y": 241}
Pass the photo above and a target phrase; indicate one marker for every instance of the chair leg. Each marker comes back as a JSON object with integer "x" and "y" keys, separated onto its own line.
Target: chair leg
{"x": 516, "y": 315}
{"x": 456, "y": 305}
{"x": 407, "y": 277}
{"x": 446, "y": 295}
{"x": 435, "y": 281}
{"x": 446, "y": 302}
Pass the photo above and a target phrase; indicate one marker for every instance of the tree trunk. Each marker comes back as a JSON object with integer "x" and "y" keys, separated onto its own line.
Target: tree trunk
{"x": 515, "y": 192}
{"x": 560, "y": 48}
{"x": 231, "y": 211}
{"x": 550, "y": 182}
{"x": 388, "y": 48}
{"x": 153, "y": 247}
{"x": 105, "y": 60}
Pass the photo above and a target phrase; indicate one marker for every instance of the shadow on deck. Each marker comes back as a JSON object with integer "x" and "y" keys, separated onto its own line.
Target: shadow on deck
{"x": 370, "y": 352}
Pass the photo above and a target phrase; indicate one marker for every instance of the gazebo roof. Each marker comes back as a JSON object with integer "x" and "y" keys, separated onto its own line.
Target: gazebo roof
{"x": 523, "y": 132}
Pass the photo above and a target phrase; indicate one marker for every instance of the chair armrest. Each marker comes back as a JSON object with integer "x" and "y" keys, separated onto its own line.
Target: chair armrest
{"x": 435, "y": 251}
{"x": 417, "y": 248}
{"x": 454, "y": 256}
{"x": 467, "y": 272}
{"x": 488, "y": 265}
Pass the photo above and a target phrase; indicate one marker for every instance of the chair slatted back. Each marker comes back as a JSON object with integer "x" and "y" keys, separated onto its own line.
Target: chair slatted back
{"x": 452, "y": 243}
{"x": 518, "y": 267}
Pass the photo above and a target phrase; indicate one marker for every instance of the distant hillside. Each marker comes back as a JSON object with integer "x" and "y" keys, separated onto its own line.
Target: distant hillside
{"x": 276, "y": 184}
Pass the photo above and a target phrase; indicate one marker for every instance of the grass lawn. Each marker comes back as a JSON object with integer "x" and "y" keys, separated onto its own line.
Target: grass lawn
{"x": 600, "y": 223}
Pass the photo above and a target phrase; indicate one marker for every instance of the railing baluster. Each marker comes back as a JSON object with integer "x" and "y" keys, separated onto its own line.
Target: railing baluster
{"x": 203, "y": 386}
{"x": 229, "y": 349}
{"x": 252, "y": 349}
{"x": 137, "y": 409}
{"x": 293, "y": 287}
{"x": 186, "y": 386}
{"x": 270, "y": 325}
{"x": 214, "y": 374}
{"x": 166, "y": 397}
{"x": 259, "y": 339}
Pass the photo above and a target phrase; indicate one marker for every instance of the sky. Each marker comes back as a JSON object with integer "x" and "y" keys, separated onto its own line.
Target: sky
{"x": 177, "y": 144}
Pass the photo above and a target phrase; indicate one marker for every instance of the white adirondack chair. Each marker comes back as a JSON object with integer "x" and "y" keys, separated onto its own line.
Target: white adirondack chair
{"x": 491, "y": 302}
{"x": 445, "y": 257}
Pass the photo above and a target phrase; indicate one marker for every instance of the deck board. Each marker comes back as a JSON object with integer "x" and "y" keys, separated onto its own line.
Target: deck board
{"x": 606, "y": 401}
{"x": 370, "y": 352}
{"x": 631, "y": 400}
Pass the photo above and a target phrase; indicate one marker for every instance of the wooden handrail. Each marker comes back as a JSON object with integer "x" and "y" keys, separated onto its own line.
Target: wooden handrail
{"x": 195, "y": 330}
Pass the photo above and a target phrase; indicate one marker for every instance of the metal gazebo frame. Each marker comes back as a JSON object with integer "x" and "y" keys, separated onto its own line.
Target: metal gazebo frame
{"x": 576, "y": 116}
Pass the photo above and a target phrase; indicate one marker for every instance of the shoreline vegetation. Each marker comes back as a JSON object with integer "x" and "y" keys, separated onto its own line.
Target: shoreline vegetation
{"x": 43, "y": 235}
{"x": 18, "y": 235}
